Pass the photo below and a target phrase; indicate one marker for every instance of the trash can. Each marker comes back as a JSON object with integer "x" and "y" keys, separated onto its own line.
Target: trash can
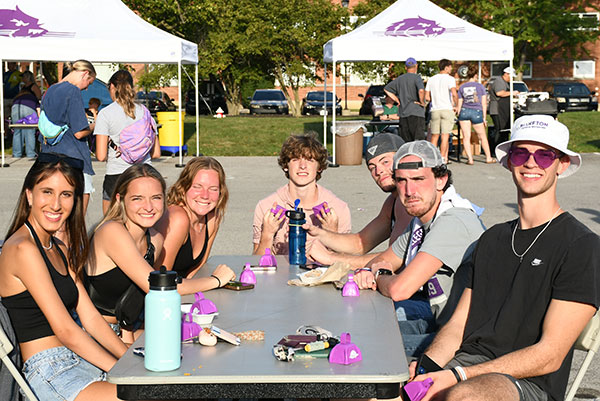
{"x": 349, "y": 142}
{"x": 168, "y": 133}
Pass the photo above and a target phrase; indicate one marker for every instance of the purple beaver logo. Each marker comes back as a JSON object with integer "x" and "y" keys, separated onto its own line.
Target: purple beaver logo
{"x": 413, "y": 27}
{"x": 15, "y": 23}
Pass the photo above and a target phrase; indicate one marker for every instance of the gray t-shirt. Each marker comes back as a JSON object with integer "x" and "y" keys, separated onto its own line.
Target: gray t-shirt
{"x": 111, "y": 121}
{"x": 451, "y": 237}
{"x": 498, "y": 85}
{"x": 406, "y": 87}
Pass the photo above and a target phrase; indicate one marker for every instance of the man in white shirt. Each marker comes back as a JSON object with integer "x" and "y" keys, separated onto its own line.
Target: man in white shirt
{"x": 441, "y": 91}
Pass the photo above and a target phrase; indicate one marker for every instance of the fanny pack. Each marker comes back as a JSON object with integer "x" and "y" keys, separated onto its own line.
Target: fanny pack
{"x": 51, "y": 132}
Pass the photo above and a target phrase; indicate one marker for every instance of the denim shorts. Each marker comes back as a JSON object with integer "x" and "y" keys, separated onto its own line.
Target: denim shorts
{"x": 473, "y": 115}
{"x": 60, "y": 374}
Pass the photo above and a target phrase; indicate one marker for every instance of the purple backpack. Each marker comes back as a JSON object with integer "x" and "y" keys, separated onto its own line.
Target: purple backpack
{"x": 136, "y": 140}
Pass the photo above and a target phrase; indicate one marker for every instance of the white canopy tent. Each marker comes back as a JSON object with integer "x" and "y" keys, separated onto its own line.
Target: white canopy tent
{"x": 419, "y": 29}
{"x": 106, "y": 31}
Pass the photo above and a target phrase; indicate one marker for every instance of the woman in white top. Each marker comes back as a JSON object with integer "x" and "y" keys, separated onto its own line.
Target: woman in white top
{"x": 109, "y": 124}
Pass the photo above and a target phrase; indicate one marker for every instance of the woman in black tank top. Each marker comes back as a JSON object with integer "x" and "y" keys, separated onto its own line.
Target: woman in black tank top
{"x": 197, "y": 203}
{"x": 119, "y": 249}
{"x": 41, "y": 287}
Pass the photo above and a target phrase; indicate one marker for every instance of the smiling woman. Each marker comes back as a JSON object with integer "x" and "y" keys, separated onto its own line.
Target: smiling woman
{"x": 197, "y": 204}
{"x": 124, "y": 248}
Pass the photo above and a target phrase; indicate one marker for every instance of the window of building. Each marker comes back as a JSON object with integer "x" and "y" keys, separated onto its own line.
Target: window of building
{"x": 584, "y": 69}
{"x": 589, "y": 21}
{"x": 498, "y": 67}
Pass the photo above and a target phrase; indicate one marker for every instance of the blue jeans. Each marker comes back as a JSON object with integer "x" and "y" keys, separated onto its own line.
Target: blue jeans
{"x": 417, "y": 325}
{"x": 59, "y": 374}
{"x": 473, "y": 115}
{"x": 19, "y": 111}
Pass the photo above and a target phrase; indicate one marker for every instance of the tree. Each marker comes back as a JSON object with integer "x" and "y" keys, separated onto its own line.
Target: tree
{"x": 540, "y": 28}
{"x": 293, "y": 33}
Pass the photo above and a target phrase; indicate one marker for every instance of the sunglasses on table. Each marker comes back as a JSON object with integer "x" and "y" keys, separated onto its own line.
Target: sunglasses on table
{"x": 55, "y": 158}
{"x": 543, "y": 157}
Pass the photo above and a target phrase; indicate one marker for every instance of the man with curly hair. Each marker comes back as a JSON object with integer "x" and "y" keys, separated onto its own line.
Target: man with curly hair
{"x": 302, "y": 158}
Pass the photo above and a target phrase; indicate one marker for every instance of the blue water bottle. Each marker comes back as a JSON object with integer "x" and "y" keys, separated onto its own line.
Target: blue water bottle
{"x": 163, "y": 322}
{"x": 297, "y": 236}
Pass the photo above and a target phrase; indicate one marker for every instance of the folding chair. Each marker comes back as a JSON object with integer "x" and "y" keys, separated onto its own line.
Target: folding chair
{"x": 5, "y": 348}
{"x": 589, "y": 340}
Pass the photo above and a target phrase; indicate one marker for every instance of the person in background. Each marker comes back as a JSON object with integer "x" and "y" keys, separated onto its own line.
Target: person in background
{"x": 124, "y": 246}
{"x": 25, "y": 103}
{"x": 408, "y": 91}
{"x": 112, "y": 119}
{"x": 390, "y": 113}
{"x": 500, "y": 104}
{"x": 472, "y": 103}
{"x": 41, "y": 287}
{"x": 63, "y": 105}
{"x": 93, "y": 108}
{"x": 196, "y": 208}
{"x": 531, "y": 290}
{"x": 391, "y": 221}
{"x": 302, "y": 158}
{"x": 441, "y": 91}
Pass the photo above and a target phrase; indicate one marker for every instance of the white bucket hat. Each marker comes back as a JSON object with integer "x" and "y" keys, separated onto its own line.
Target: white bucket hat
{"x": 543, "y": 129}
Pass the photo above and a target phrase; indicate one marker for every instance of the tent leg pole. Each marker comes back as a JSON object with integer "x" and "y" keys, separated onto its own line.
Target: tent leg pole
{"x": 479, "y": 72}
{"x": 180, "y": 118}
{"x": 324, "y": 97}
{"x": 333, "y": 86}
{"x": 197, "y": 116}
{"x": 2, "y": 112}
{"x": 512, "y": 112}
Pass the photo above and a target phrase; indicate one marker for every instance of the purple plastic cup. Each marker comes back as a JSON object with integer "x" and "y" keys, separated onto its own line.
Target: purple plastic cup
{"x": 320, "y": 209}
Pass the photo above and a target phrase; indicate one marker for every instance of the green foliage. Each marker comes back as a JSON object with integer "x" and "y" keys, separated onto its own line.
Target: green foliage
{"x": 543, "y": 28}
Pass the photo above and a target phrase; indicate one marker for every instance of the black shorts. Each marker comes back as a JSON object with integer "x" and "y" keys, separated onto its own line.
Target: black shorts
{"x": 108, "y": 186}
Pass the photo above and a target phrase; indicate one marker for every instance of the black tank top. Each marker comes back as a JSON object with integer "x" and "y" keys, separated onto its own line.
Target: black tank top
{"x": 26, "y": 317}
{"x": 105, "y": 289}
{"x": 185, "y": 261}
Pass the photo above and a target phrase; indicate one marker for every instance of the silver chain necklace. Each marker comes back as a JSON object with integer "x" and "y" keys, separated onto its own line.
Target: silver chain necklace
{"x": 535, "y": 239}
{"x": 45, "y": 247}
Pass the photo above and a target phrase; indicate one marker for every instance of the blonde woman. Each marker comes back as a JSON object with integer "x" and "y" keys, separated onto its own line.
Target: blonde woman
{"x": 124, "y": 246}
{"x": 197, "y": 204}
{"x": 112, "y": 119}
{"x": 63, "y": 105}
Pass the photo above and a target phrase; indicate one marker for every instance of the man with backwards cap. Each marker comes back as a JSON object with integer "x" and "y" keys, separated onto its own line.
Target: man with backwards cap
{"x": 391, "y": 221}
{"x": 534, "y": 285}
{"x": 431, "y": 257}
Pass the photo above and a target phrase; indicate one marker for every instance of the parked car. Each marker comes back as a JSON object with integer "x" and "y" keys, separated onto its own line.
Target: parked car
{"x": 98, "y": 90}
{"x": 314, "y": 103}
{"x": 268, "y": 101}
{"x": 366, "y": 108}
{"x": 155, "y": 101}
{"x": 208, "y": 103}
{"x": 572, "y": 96}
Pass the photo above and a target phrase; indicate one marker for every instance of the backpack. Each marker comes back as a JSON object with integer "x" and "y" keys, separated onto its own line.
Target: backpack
{"x": 136, "y": 140}
{"x": 51, "y": 132}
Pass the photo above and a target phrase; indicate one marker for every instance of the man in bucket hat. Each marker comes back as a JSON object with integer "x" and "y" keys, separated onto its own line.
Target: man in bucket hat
{"x": 391, "y": 221}
{"x": 533, "y": 287}
{"x": 432, "y": 255}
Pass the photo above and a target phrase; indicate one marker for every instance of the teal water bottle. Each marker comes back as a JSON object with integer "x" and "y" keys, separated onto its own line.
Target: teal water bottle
{"x": 163, "y": 322}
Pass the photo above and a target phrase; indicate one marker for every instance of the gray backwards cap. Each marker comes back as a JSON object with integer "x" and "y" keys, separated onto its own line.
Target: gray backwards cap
{"x": 382, "y": 143}
{"x": 424, "y": 150}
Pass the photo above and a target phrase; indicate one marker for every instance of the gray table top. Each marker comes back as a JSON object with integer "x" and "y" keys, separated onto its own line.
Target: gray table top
{"x": 279, "y": 309}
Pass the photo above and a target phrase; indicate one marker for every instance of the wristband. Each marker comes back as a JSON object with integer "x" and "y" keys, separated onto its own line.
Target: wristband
{"x": 462, "y": 373}
{"x": 458, "y": 378}
{"x": 212, "y": 275}
{"x": 362, "y": 269}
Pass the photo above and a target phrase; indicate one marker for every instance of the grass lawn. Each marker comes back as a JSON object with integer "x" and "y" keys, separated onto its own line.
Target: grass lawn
{"x": 263, "y": 135}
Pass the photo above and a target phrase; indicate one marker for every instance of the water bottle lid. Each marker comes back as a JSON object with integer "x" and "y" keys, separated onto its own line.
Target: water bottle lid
{"x": 296, "y": 214}
{"x": 163, "y": 279}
